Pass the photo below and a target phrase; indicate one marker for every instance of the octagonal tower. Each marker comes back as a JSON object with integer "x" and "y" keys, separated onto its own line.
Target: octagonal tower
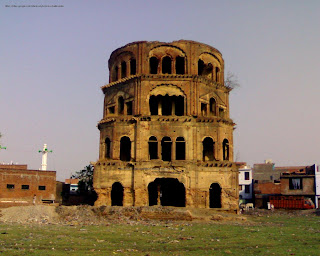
{"x": 166, "y": 137}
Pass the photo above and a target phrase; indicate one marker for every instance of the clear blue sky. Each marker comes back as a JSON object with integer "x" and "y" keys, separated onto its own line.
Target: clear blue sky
{"x": 53, "y": 62}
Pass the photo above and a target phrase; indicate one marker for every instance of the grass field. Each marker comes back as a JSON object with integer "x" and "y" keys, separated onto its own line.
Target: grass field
{"x": 265, "y": 235}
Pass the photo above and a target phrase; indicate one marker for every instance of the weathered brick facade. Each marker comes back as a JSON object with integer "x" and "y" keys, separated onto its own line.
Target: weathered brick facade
{"x": 166, "y": 136}
{"x": 20, "y": 186}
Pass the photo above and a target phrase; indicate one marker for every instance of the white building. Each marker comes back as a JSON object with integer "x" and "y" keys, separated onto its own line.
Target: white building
{"x": 245, "y": 184}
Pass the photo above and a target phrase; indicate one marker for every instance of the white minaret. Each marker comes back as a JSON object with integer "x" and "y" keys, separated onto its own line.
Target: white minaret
{"x": 44, "y": 152}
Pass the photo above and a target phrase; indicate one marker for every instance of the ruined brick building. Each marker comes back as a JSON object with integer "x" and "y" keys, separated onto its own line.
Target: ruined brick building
{"x": 166, "y": 137}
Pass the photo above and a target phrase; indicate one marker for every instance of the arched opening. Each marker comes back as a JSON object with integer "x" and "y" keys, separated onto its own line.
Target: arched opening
{"x": 133, "y": 67}
{"x": 166, "y": 105}
{"x": 153, "y": 148}
{"x": 153, "y": 105}
{"x": 225, "y": 148}
{"x": 153, "y": 65}
{"x": 125, "y": 149}
{"x": 129, "y": 107}
{"x": 180, "y": 65}
{"x": 180, "y": 148}
{"x": 123, "y": 69}
{"x": 213, "y": 106}
{"x": 204, "y": 109}
{"x": 205, "y": 69}
{"x": 217, "y": 74}
{"x": 166, "y": 145}
{"x": 200, "y": 67}
{"x": 115, "y": 74}
{"x": 117, "y": 194}
{"x": 120, "y": 105}
{"x": 153, "y": 194}
{"x": 178, "y": 105}
{"x": 215, "y": 195}
{"x": 107, "y": 148}
{"x": 208, "y": 149}
{"x": 166, "y": 65}
{"x": 167, "y": 192}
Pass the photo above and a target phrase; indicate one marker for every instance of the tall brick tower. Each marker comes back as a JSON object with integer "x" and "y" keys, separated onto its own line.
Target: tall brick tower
{"x": 166, "y": 137}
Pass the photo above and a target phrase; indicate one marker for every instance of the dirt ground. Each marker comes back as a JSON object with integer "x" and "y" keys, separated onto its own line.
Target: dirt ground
{"x": 89, "y": 215}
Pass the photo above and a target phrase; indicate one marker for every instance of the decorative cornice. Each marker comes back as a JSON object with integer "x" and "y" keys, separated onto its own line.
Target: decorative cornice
{"x": 195, "y": 78}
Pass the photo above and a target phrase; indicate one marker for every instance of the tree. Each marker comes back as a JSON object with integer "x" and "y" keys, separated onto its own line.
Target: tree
{"x": 231, "y": 80}
{"x": 85, "y": 177}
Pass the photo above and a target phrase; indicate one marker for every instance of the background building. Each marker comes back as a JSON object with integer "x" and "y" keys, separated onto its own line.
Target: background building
{"x": 20, "y": 186}
{"x": 245, "y": 184}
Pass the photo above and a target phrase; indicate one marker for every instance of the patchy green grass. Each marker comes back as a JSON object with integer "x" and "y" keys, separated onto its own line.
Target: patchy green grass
{"x": 273, "y": 235}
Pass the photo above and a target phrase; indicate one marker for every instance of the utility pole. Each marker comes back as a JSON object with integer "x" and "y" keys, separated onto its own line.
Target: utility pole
{"x": 44, "y": 152}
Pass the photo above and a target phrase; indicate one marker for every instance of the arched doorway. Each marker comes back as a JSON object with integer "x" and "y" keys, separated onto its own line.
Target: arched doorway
{"x": 117, "y": 194}
{"x": 167, "y": 192}
{"x": 215, "y": 196}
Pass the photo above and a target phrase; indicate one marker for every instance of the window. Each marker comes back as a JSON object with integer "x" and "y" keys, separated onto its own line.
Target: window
{"x": 204, "y": 107}
{"x": 166, "y": 144}
{"x": 180, "y": 65}
{"x": 166, "y": 65}
{"x": 123, "y": 69}
{"x": 107, "y": 148}
{"x": 25, "y": 187}
{"x": 217, "y": 74}
{"x": 213, "y": 106}
{"x": 125, "y": 149}
{"x": 247, "y": 189}
{"x": 246, "y": 175}
{"x": 133, "y": 69}
{"x": 225, "y": 146}
{"x": 208, "y": 149}
{"x": 180, "y": 148}
{"x": 295, "y": 183}
{"x": 240, "y": 187}
{"x": 153, "y": 148}
{"x": 153, "y": 65}
{"x": 200, "y": 67}
{"x": 129, "y": 107}
{"x": 111, "y": 110}
{"x": 42, "y": 188}
{"x": 120, "y": 105}
{"x": 10, "y": 186}
{"x": 221, "y": 112}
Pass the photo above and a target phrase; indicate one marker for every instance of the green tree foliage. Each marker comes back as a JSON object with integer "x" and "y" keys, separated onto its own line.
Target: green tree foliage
{"x": 85, "y": 177}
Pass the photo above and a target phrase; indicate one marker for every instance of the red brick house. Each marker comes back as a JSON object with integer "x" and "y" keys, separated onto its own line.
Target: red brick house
{"x": 20, "y": 186}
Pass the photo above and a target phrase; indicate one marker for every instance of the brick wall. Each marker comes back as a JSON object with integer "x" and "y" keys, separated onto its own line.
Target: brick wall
{"x": 19, "y": 185}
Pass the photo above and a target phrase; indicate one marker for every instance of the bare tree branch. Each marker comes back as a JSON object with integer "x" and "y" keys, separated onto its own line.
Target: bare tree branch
{"x": 231, "y": 80}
